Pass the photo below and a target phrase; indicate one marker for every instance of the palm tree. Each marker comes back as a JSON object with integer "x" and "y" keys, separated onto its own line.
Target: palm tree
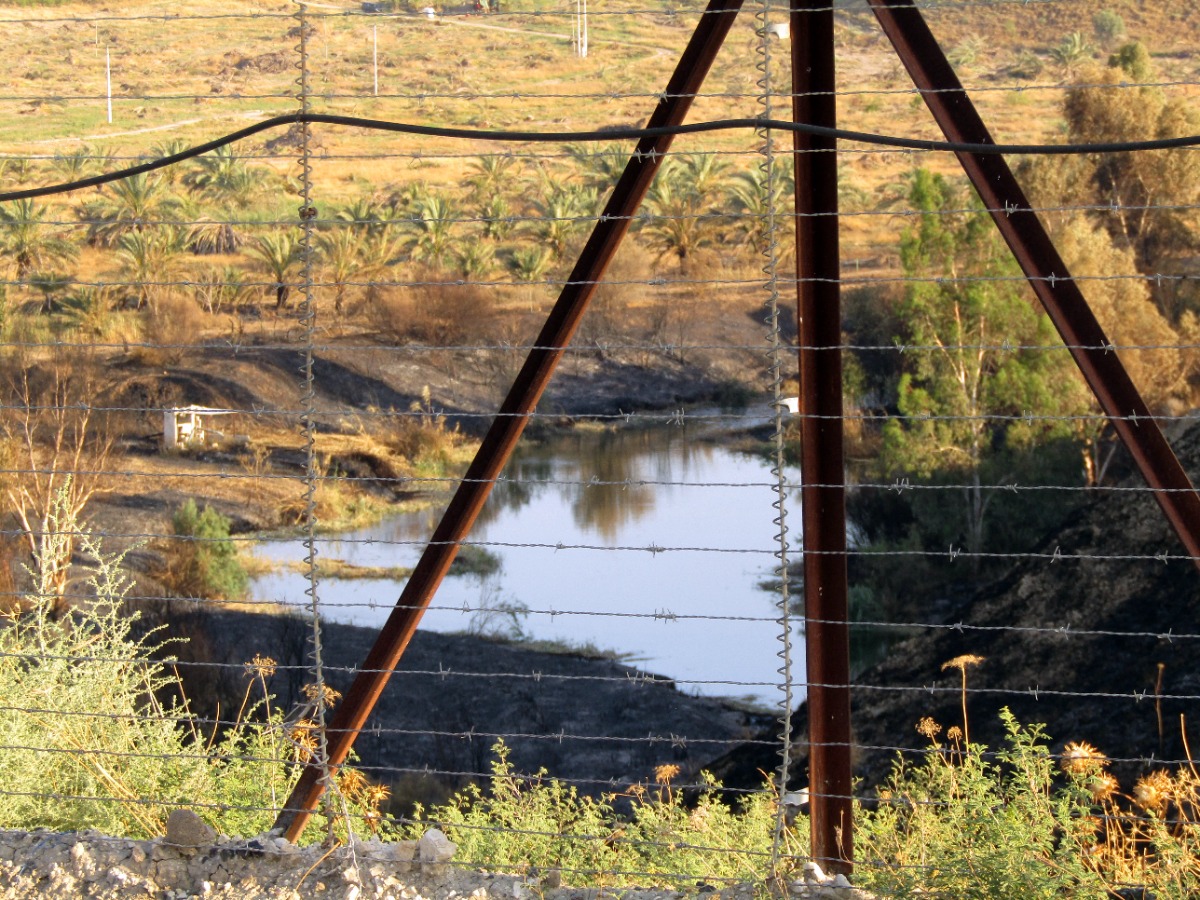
{"x": 563, "y": 213}
{"x": 706, "y": 173}
{"x": 433, "y": 224}
{"x": 349, "y": 253}
{"x": 602, "y": 166}
{"x": 25, "y": 237}
{"x": 148, "y": 257}
{"x": 50, "y": 285}
{"x": 205, "y": 234}
{"x": 748, "y": 193}
{"x": 280, "y": 253}
{"x": 131, "y": 204}
{"x": 489, "y": 173}
{"x": 475, "y": 260}
{"x": 166, "y": 148}
{"x": 675, "y": 227}
{"x": 497, "y": 217}
{"x": 224, "y": 178}
{"x": 530, "y": 265}
{"x": 74, "y": 165}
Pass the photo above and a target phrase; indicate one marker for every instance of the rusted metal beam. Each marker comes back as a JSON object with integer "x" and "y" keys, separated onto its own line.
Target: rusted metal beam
{"x": 822, "y": 467}
{"x": 1101, "y": 366}
{"x": 501, "y": 439}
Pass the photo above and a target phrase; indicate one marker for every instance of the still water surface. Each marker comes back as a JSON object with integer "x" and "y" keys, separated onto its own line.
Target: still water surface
{"x": 651, "y": 543}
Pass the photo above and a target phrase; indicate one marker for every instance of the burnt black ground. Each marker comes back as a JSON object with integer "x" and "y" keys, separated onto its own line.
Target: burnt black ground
{"x": 1072, "y": 642}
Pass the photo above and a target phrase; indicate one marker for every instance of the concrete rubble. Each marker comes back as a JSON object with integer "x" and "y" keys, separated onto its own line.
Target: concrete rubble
{"x": 191, "y": 862}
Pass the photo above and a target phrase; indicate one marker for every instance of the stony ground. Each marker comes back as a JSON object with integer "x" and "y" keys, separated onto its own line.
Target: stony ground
{"x": 188, "y": 862}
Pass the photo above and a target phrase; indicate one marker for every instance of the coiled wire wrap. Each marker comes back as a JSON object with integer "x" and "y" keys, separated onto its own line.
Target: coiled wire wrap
{"x": 775, "y": 363}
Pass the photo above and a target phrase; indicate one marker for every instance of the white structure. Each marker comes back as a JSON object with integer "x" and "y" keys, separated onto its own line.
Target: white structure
{"x": 184, "y": 425}
{"x": 781, "y": 30}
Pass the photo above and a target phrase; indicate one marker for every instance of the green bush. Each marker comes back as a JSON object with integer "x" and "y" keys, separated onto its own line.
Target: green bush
{"x": 205, "y": 562}
{"x": 1108, "y": 25}
{"x": 532, "y": 823}
{"x": 967, "y": 823}
{"x": 86, "y": 741}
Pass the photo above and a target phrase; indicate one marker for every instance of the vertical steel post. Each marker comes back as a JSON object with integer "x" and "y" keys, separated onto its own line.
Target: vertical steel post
{"x": 1025, "y": 235}
{"x": 501, "y": 439}
{"x": 827, "y": 636}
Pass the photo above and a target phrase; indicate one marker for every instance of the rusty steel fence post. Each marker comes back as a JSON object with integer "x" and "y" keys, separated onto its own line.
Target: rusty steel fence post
{"x": 501, "y": 439}
{"x": 823, "y": 495}
{"x": 1025, "y": 235}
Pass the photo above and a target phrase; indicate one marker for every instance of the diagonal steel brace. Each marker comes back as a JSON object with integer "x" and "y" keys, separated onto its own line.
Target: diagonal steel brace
{"x": 1025, "y": 235}
{"x": 501, "y": 439}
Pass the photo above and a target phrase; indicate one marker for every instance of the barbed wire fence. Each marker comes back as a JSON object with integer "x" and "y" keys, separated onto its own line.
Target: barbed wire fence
{"x": 324, "y": 319}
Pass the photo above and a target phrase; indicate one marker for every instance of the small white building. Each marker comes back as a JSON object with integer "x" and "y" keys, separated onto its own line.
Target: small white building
{"x": 184, "y": 426}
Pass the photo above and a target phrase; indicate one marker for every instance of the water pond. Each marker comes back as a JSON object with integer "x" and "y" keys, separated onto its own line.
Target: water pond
{"x": 651, "y": 543}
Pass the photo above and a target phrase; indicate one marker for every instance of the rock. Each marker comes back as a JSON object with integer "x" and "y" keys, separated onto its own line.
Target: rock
{"x": 402, "y": 853}
{"x": 813, "y": 874}
{"x": 435, "y": 848}
{"x": 186, "y": 829}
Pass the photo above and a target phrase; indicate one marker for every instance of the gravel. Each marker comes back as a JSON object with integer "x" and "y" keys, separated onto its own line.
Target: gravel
{"x": 90, "y": 865}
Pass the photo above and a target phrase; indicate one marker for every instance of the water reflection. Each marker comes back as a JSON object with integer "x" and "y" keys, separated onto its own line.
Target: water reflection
{"x": 652, "y": 543}
{"x": 612, "y": 478}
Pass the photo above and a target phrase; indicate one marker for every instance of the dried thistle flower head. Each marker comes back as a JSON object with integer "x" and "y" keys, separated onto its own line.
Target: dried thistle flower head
{"x": 303, "y": 735}
{"x": 1080, "y": 757}
{"x": 351, "y": 782}
{"x": 928, "y": 728}
{"x": 1153, "y": 792}
{"x": 312, "y": 691}
{"x": 961, "y": 662}
{"x": 1103, "y": 786}
{"x": 261, "y": 667}
{"x": 664, "y": 774}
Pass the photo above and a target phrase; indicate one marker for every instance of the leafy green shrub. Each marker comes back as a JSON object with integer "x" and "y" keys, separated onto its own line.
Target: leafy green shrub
{"x": 205, "y": 563}
{"x": 966, "y": 823}
{"x": 1108, "y": 25}
{"x": 86, "y": 742}
{"x": 526, "y": 823}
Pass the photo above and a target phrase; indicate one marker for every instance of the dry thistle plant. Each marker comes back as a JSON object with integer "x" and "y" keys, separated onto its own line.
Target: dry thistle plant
{"x": 961, "y": 663}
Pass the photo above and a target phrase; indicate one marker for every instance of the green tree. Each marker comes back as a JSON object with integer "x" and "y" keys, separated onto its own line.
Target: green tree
{"x": 1108, "y": 25}
{"x": 601, "y": 165}
{"x": 25, "y": 237}
{"x": 496, "y": 213}
{"x": 147, "y": 259}
{"x": 681, "y": 202}
{"x": 475, "y": 260}
{"x": 489, "y": 174}
{"x": 1072, "y": 51}
{"x": 223, "y": 177}
{"x": 973, "y": 367}
{"x": 204, "y": 562}
{"x": 432, "y": 227}
{"x": 562, "y": 214}
{"x": 131, "y": 204}
{"x": 279, "y": 253}
{"x": 748, "y": 195}
{"x": 206, "y": 234}
{"x": 347, "y": 254}
{"x": 1148, "y": 201}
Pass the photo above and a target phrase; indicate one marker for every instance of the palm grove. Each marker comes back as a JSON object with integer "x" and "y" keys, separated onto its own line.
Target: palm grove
{"x": 981, "y": 394}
